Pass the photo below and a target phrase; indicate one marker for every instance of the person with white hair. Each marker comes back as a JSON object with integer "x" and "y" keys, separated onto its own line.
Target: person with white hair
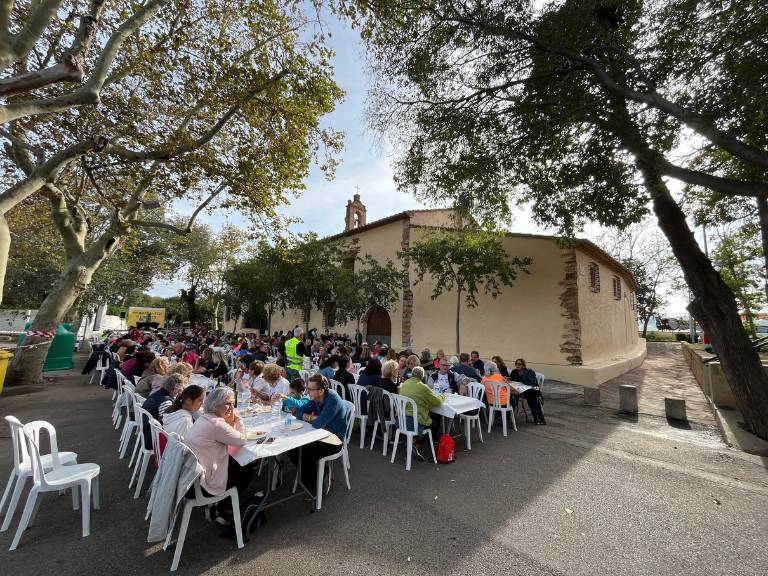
{"x": 425, "y": 399}
{"x": 210, "y": 438}
{"x": 295, "y": 351}
{"x": 492, "y": 374}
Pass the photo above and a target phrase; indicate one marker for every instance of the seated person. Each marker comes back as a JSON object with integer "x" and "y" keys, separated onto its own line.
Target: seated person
{"x": 501, "y": 366}
{"x": 203, "y": 360}
{"x": 493, "y": 375}
{"x": 270, "y": 383}
{"x": 425, "y": 400}
{"x": 295, "y": 398}
{"x": 410, "y": 364}
{"x": 371, "y": 373}
{"x": 136, "y": 365}
{"x": 217, "y": 366}
{"x": 210, "y": 438}
{"x": 179, "y": 416}
{"x": 443, "y": 379}
{"x": 329, "y": 366}
{"x": 476, "y": 363}
{"x": 465, "y": 368}
{"x": 158, "y": 402}
{"x": 426, "y": 360}
{"x": 526, "y": 376}
{"x": 344, "y": 376}
{"x": 389, "y": 373}
{"x": 262, "y": 352}
{"x": 157, "y": 370}
{"x": 325, "y": 410}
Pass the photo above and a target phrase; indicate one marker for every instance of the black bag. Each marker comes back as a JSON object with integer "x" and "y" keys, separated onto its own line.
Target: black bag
{"x": 249, "y": 519}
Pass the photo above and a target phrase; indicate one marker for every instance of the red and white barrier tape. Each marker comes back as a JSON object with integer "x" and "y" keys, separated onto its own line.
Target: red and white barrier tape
{"x": 41, "y": 333}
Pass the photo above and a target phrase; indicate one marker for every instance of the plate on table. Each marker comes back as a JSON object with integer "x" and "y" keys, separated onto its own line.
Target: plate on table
{"x": 296, "y": 426}
{"x": 255, "y": 434}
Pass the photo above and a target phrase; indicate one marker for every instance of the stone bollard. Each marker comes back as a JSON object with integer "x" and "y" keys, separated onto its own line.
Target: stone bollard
{"x": 675, "y": 409}
{"x": 628, "y": 399}
{"x": 592, "y": 396}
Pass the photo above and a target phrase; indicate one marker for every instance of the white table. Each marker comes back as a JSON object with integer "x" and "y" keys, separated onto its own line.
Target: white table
{"x": 455, "y": 404}
{"x": 283, "y": 442}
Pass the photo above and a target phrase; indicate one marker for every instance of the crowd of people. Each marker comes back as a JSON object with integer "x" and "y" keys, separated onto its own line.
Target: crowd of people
{"x": 267, "y": 370}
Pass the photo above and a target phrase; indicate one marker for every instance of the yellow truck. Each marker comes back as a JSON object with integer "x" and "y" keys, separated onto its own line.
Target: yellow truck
{"x": 146, "y": 317}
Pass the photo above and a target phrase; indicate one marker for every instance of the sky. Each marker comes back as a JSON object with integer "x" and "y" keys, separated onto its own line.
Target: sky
{"x": 365, "y": 167}
{"x": 365, "y": 164}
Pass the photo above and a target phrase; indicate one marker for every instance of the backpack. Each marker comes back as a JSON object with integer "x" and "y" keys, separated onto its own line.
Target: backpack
{"x": 446, "y": 449}
{"x": 249, "y": 519}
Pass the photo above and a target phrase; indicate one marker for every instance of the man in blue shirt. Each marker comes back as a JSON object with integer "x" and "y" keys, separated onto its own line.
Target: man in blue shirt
{"x": 326, "y": 410}
{"x": 465, "y": 369}
{"x": 476, "y": 363}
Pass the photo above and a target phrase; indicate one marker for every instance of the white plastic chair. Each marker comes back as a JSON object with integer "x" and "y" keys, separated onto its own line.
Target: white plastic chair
{"x": 130, "y": 421}
{"x": 337, "y": 387}
{"x": 476, "y": 391}
{"x": 304, "y": 375}
{"x": 400, "y": 404}
{"x": 145, "y": 454}
{"x": 356, "y": 367}
{"x": 139, "y": 400}
{"x": 343, "y": 454}
{"x": 22, "y": 463}
{"x": 357, "y": 392}
{"x": 102, "y": 364}
{"x": 504, "y": 409}
{"x": 201, "y": 500}
{"x": 75, "y": 476}
{"x": 385, "y": 425}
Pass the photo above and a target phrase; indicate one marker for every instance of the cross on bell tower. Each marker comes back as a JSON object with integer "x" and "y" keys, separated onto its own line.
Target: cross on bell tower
{"x": 355, "y": 217}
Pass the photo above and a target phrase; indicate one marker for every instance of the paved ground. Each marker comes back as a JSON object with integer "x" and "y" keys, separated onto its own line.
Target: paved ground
{"x": 664, "y": 373}
{"x": 591, "y": 493}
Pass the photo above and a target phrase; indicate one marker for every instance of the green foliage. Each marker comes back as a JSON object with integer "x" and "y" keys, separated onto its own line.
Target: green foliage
{"x": 465, "y": 261}
{"x": 365, "y": 286}
{"x": 737, "y": 258}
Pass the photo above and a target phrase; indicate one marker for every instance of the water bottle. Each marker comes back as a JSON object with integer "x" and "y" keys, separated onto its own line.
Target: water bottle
{"x": 276, "y": 408}
{"x": 287, "y": 421}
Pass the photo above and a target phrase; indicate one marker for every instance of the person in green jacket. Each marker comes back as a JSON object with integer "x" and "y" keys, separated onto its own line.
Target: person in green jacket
{"x": 425, "y": 399}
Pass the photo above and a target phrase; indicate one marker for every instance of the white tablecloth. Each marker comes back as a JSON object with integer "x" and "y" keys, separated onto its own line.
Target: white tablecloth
{"x": 457, "y": 404}
{"x": 284, "y": 441}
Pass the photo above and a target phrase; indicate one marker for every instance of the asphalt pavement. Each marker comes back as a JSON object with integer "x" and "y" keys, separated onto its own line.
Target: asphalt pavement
{"x": 590, "y": 493}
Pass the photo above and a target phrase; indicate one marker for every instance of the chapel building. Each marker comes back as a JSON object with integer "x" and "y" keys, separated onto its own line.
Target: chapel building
{"x": 573, "y": 318}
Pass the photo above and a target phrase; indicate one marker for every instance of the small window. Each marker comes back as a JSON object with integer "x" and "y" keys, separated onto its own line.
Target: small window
{"x": 633, "y": 300}
{"x": 616, "y": 288}
{"x": 594, "y": 277}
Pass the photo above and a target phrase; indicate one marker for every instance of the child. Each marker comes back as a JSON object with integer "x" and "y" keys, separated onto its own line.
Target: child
{"x": 295, "y": 398}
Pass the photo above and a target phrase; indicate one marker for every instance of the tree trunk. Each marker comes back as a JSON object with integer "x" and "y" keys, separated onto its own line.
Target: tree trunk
{"x": 762, "y": 212}
{"x": 5, "y": 247}
{"x": 269, "y": 321}
{"x": 216, "y": 315}
{"x": 27, "y": 364}
{"x": 645, "y": 325}
{"x": 458, "y": 321}
{"x": 714, "y": 306}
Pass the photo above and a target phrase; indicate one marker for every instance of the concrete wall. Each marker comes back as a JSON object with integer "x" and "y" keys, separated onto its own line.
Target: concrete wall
{"x": 710, "y": 376}
{"x": 608, "y": 326}
{"x": 524, "y": 321}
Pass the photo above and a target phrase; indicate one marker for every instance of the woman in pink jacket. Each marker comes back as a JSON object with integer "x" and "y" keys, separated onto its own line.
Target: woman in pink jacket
{"x": 210, "y": 436}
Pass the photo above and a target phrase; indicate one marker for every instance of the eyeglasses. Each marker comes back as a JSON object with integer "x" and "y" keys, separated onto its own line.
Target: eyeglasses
{"x": 314, "y": 389}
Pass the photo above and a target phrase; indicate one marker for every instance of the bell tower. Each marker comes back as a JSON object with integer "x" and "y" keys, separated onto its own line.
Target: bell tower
{"x": 355, "y": 217}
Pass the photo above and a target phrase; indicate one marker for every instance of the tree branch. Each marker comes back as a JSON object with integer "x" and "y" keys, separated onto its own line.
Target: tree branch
{"x": 167, "y": 152}
{"x": 20, "y": 44}
{"x": 21, "y": 143}
{"x": 47, "y": 171}
{"x": 72, "y": 233}
{"x": 88, "y": 93}
{"x": 188, "y": 228}
{"x": 72, "y": 63}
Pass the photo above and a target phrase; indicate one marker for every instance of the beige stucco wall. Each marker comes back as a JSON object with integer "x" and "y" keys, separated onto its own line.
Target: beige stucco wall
{"x": 608, "y": 326}
{"x": 524, "y": 321}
